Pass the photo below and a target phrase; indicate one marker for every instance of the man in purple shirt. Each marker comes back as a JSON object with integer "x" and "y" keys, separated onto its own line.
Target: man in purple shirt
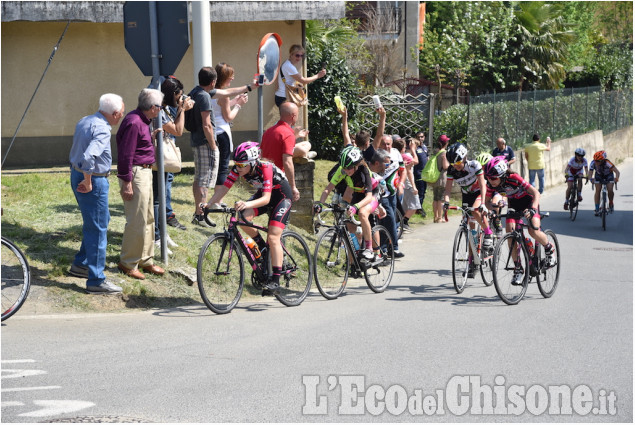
{"x": 135, "y": 156}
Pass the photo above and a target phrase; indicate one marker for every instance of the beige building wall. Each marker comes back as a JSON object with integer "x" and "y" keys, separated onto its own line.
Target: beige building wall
{"x": 92, "y": 60}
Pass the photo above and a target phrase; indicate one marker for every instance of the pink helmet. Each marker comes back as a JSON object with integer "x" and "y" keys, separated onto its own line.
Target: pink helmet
{"x": 495, "y": 167}
{"x": 247, "y": 152}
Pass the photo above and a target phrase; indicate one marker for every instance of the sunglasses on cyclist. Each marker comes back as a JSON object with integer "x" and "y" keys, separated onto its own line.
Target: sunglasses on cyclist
{"x": 241, "y": 164}
{"x": 454, "y": 164}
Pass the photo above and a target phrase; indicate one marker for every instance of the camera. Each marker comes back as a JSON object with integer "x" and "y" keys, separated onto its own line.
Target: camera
{"x": 183, "y": 97}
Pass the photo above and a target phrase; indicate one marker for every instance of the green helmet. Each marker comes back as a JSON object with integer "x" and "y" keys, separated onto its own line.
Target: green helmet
{"x": 484, "y": 158}
{"x": 351, "y": 155}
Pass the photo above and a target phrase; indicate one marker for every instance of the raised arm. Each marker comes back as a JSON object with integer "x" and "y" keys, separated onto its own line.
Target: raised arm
{"x": 380, "y": 128}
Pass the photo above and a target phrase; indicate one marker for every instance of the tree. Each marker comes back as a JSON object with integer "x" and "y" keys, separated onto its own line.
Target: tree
{"x": 540, "y": 44}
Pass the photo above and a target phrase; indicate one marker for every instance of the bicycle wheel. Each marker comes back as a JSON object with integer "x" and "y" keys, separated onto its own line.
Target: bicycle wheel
{"x": 460, "y": 259}
{"x": 548, "y": 277}
{"x": 603, "y": 210}
{"x": 297, "y": 271}
{"x": 573, "y": 203}
{"x": 16, "y": 278}
{"x": 220, "y": 274}
{"x": 331, "y": 264}
{"x": 399, "y": 218}
{"x": 487, "y": 262}
{"x": 504, "y": 266}
{"x": 379, "y": 274}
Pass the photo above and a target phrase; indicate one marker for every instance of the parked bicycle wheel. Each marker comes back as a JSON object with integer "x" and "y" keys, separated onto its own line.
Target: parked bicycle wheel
{"x": 331, "y": 264}
{"x": 487, "y": 263}
{"x": 510, "y": 257}
{"x": 220, "y": 274}
{"x": 297, "y": 271}
{"x": 548, "y": 277}
{"x": 16, "y": 278}
{"x": 460, "y": 259}
{"x": 379, "y": 274}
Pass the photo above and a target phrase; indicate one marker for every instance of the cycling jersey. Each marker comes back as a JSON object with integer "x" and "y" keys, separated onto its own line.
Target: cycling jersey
{"x": 602, "y": 169}
{"x": 467, "y": 178}
{"x": 575, "y": 168}
{"x": 514, "y": 186}
{"x": 362, "y": 181}
{"x": 266, "y": 177}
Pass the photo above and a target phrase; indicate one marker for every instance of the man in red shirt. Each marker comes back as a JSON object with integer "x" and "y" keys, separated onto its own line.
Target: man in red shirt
{"x": 278, "y": 144}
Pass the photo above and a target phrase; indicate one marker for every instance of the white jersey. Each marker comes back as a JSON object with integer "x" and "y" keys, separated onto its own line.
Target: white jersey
{"x": 467, "y": 178}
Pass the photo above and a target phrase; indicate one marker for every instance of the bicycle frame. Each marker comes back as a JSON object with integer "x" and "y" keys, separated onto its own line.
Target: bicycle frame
{"x": 519, "y": 235}
{"x": 340, "y": 227}
{"x": 468, "y": 218}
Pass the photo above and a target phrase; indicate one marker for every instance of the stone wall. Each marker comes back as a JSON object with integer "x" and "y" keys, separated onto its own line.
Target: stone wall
{"x": 302, "y": 216}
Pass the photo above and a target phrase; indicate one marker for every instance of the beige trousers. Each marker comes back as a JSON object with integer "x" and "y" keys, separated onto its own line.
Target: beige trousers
{"x": 137, "y": 245}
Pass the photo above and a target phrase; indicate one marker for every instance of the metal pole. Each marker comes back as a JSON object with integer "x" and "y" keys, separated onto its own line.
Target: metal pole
{"x": 260, "y": 112}
{"x": 154, "y": 47}
{"x": 553, "y": 119}
{"x": 431, "y": 120}
{"x": 533, "y": 113}
{"x": 202, "y": 36}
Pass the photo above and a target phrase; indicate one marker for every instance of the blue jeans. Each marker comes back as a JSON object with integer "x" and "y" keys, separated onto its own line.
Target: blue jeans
{"x": 169, "y": 178}
{"x": 541, "y": 179}
{"x": 96, "y": 216}
{"x": 390, "y": 221}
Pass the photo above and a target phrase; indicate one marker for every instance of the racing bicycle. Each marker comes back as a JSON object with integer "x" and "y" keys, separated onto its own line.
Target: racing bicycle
{"x": 336, "y": 259}
{"x": 515, "y": 252}
{"x": 16, "y": 278}
{"x": 220, "y": 271}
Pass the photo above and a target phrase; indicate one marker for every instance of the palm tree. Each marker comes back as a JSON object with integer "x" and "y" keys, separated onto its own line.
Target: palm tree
{"x": 541, "y": 41}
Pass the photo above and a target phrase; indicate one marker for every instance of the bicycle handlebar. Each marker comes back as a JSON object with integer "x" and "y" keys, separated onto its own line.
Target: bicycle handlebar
{"x": 335, "y": 208}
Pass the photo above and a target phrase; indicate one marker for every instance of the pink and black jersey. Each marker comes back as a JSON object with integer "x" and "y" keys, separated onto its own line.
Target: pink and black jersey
{"x": 514, "y": 186}
{"x": 264, "y": 176}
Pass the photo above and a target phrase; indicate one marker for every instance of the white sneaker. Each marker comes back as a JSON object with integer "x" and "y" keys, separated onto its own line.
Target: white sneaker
{"x": 518, "y": 276}
{"x": 487, "y": 241}
{"x": 550, "y": 259}
{"x": 157, "y": 243}
{"x": 170, "y": 242}
{"x": 367, "y": 254}
{"x": 311, "y": 154}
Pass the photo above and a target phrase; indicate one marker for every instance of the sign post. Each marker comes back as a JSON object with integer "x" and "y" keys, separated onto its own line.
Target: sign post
{"x": 157, "y": 36}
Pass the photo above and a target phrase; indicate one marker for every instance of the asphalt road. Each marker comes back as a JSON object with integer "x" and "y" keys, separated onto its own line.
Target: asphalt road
{"x": 417, "y": 352}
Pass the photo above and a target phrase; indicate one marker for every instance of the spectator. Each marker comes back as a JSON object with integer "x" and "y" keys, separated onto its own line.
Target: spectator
{"x": 438, "y": 188}
{"x": 173, "y": 120}
{"x": 202, "y": 139}
{"x": 536, "y": 161}
{"x": 502, "y": 149}
{"x": 225, "y": 111}
{"x": 289, "y": 73}
{"x": 410, "y": 201}
{"x": 421, "y": 151}
{"x": 135, "y": 156}
{"x": 279, "y": 144}
{"x": 91, "y": 159}
{"x": 393, "y": 174}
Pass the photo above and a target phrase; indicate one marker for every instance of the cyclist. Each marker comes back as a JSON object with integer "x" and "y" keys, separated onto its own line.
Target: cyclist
{"x": 273, "y": 196}
{"x": 355, "y": 172}
{"x": 522, "y": 197}
{"x": 469, "y": 175}
{"x": 605, "y": 172}
{"x": 574, "y": 170}
{"x": 483, "y": 158}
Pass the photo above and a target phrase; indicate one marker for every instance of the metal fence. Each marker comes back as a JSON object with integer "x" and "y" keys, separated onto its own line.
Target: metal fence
{"x": 556, "y": 113}
{"x": 405, "y": 115}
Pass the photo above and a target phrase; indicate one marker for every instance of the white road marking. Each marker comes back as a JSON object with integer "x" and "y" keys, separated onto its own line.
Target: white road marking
{"x": 56, "y": 407}
{"x": 11, "y": 404}
{"x": 11, "y": 390}
{"x": 21, "y": 373}
{"x": 18, "y": 361}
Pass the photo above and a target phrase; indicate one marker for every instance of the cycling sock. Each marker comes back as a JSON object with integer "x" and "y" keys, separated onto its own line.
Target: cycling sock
{"x": 260, "y": 241}
{"x": 548, "y": 248}
{"x": 597, "y": 206}
{"x": 368, "y": 245}
{"x": 487, "y": 231}
{"x": 405, "y": 221}
{"x": 275, "y": 275}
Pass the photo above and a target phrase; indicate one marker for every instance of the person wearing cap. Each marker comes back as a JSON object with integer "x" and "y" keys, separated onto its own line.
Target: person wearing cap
{"x": 502, "y": 149}
{"x": 438, "y": 188}
{"x": 91, "y": 159}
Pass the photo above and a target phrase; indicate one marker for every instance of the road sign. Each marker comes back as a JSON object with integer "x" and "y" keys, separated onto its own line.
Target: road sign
{"x": 172, "y": 28}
